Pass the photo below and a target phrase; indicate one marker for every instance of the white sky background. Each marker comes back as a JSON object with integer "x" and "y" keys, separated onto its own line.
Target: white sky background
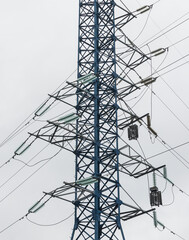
{"x": 38, "y": 45}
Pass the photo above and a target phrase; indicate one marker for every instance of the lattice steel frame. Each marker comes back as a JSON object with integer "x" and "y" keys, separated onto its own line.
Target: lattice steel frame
{"x": 98, "y": 217}
{"x": 97, "y": 205}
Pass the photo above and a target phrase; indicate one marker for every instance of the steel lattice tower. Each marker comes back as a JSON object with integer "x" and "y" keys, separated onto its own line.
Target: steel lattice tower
{"x": 91, "y": 130}
{"x": 97, "y": 216}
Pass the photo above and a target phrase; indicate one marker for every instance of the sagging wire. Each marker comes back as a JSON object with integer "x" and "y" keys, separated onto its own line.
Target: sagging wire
{"x": 180, "y": 64}
{"x": 175, "y": 92}
{"x": 162, "y": 175}
{"x": 155, "y": 72}
{"x": 29, "y": 120}
{"x": 153, "y": 39}
{"x": 168, "y": 147}
{"x": 8, "y": 161}
{"x": 52, "y": 224}
{"x": 172, "y": 183}
{"x": 181, "y": 40}
{"x": 13, "y": 157}
{"x": 157, "y": 154}
{"x": 23, "y": 182}
{"x": 165, "y": 227}
{"x": 30, "y": 211}
{"x": 165, "y": 186}
{"x": 145, "y": 91}
{"x": 173, "y": 152}
{"x": 145, "y": 24}
{"x": 173, "y": 200}
{"x": 174, "y": 68}
{"x": 182, "y": 123}
{"x": 20, "y": 169}
{"x": 43, "y": 160}
{"x": 28, "y": 176}
{"x": 12, "y": 224}
{"x": 131, "y": 99}
{"x": 148, "y": 180}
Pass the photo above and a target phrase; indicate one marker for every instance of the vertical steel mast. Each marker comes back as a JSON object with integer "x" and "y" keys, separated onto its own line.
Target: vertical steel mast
{"x": 97, "y": 215}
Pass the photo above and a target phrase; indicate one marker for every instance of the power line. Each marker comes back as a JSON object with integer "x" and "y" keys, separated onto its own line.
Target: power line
{"x": 21, "y": 128}
{"x": 41, "y": 225}
{"x": 52, "y": 224}
{"x": 168, "y": 229}
{"x": 23, "y": 166}
{"x": 167, "y": 150}
{"x": 172, "y": 232}
{"x": 31, "y": 175}
{"x": 182, "y": 123}
{"x": 20, "y": 219}
{"x": 174, "y": 68}
{"x": 173, "y": 200}
{"x": 38, "y": 162}
{"x": 171, "y": 64}
{"x": 173, "y": 152}
{"x": 23, "y": 182}
{"x": 179, "y": 24}
{"x": 181, "y": 40}
{"x": 145, "y": 24}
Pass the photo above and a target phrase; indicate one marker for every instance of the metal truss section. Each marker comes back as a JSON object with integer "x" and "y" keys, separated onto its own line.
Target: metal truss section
{"x": 134, "y": 164}
{"x": 62, "y": 134}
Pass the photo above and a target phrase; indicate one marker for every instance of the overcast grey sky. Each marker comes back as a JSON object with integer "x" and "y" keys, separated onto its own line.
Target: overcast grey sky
{"x": 38, "y": 45}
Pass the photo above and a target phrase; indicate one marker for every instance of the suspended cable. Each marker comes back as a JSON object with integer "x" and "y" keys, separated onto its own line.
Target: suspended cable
{"x": 183, "y": 124}
{"x": 19, "y": 129}
{"x": 160, "y": 76}
{"x": 165, "y": 186}
{"x": 5, "y": 163}
{"x": 145, "y": 24}
{"x": 171, "y": 64}
{"x": 175, "y": 185}
{"x": 50, "y": 225}
{"x": 168, "y": 229}
{"x": 140, "y": 98}
{"x": 148, "y": 181}
{"x": 20, "y": 169}
{"x": 175, "y": 93}
{"x": 151, "y": 70}
{"x": 173, "y": 200}
{"x": 43, "y": 160}
{"x": 179, "y": 24}
{"x": 167, "y": 150}
{"x": 173, "y": 152}
{"x": 181, "y": 40}
{"x": 20, "y": 219}
{"x": 27, "y": 177}
{"x": 152, "y": 216}
{"x": 23, "y": 182}
{"x": 174, "y": 68}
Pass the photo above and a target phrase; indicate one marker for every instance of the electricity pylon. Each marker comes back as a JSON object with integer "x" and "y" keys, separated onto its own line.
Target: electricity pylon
{"x": 94, "y": 124}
